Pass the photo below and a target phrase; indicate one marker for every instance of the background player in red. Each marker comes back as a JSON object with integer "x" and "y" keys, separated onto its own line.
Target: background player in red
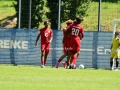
{"x": 66, "y": 46}
{"x": 46, "y": 38}
{"x": 76, "y": 34}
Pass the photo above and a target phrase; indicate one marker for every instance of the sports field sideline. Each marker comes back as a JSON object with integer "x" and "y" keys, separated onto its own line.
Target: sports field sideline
{"x": 36, "y": 78}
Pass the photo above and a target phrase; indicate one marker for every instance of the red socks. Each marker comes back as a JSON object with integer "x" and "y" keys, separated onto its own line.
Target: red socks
{"x": 74, "y": 57}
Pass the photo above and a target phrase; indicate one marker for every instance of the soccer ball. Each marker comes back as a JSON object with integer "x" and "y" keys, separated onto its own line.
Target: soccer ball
{"x": 81, "y": 66}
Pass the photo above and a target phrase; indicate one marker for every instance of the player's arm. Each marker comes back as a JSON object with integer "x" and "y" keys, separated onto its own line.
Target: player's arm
{"x": 37, "y": 39}
{"x": 118, "y": 46}
{"x": 66, "y": 34}
{"x": 50, "y": 39}
{"x": 111, "y": 46}
{"x": 82, "y": 33}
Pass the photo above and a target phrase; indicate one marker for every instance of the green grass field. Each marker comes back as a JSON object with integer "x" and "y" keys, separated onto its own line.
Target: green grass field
{"x": 37, "y": 78}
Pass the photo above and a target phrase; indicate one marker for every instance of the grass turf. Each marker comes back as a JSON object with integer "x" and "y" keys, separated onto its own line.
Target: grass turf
{"x": 37, "y": 78}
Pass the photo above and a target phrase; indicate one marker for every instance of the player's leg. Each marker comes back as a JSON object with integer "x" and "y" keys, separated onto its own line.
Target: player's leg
{"x": 64, "y": 55}
{"x": 42, "y": 54}
{"x": 70, "y": 48}
{"x": 45, "y": 58}
{"x": 60, "y": 59}
{"x": 111, "y": 63}
{"x": 47, "y": 51}
{"x": 76, "y": 49}
{"x": 68, "y": 60}
{"x": 78, "y": 53}
{"x": 112, "y": 55}
{"x": 117, "y": 63}
{"x": 73, "y": 60}
{"x": 74, "y": 56}
{"x": 42, "y": 58}
{"x": 69, "y": 53}
{"x": 64, "y": 64}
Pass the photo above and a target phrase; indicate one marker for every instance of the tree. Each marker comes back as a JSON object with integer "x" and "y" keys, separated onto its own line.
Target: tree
{"x": 53, "y": 15}
{"x": 48, "y": 9}
{"x": 38, "y": 13}
{"x": 70, "y": 9}
{"x": 113, "y": 1}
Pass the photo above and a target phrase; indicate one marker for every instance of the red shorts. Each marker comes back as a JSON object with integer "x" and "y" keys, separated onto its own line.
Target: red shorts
{"x": 75, "y": 44}
{"x": 45, "y": 48}
{"x": 66, "y": 45}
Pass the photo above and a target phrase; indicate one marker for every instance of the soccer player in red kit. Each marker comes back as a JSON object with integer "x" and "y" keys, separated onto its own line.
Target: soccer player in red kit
{"x": 66, "y": 47}
{"x": 76, "y": 34}
{"x": 46, "y": 38}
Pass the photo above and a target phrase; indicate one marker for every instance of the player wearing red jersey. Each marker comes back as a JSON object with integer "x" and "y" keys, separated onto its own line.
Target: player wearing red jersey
{"x": 66, "y": 47}
{"x": 46, "y": 38}
{"x": 76, "y": 33}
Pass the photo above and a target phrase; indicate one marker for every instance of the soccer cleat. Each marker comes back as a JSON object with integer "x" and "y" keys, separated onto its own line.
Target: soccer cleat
{"x": 116, "y": 69}
{"x": 57, "y": 64}
{"x": 111, "y": 69}
{"x": 64, "y": 64}
{"x": 42, "y": 66}
{"x": 74, "y": 66}
{"x": 67, "y": 67}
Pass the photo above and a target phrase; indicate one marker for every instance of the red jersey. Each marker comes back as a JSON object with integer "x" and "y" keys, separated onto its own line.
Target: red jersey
{"x": 46, "y": 34}
{"x": 75, "y": 35}
{"x": 75, "y": 30}
{"x": 66, "y": 41}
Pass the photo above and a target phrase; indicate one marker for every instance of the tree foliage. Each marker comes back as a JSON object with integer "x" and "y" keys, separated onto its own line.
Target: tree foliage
{"x": 53, "y": 15}
{"x": 38, "y": 12}
{"x": 74, "y": 8}
{"x": 48, "y": 9}
{"x": 69, "y": 10}
{"x": 113, "y": 1}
